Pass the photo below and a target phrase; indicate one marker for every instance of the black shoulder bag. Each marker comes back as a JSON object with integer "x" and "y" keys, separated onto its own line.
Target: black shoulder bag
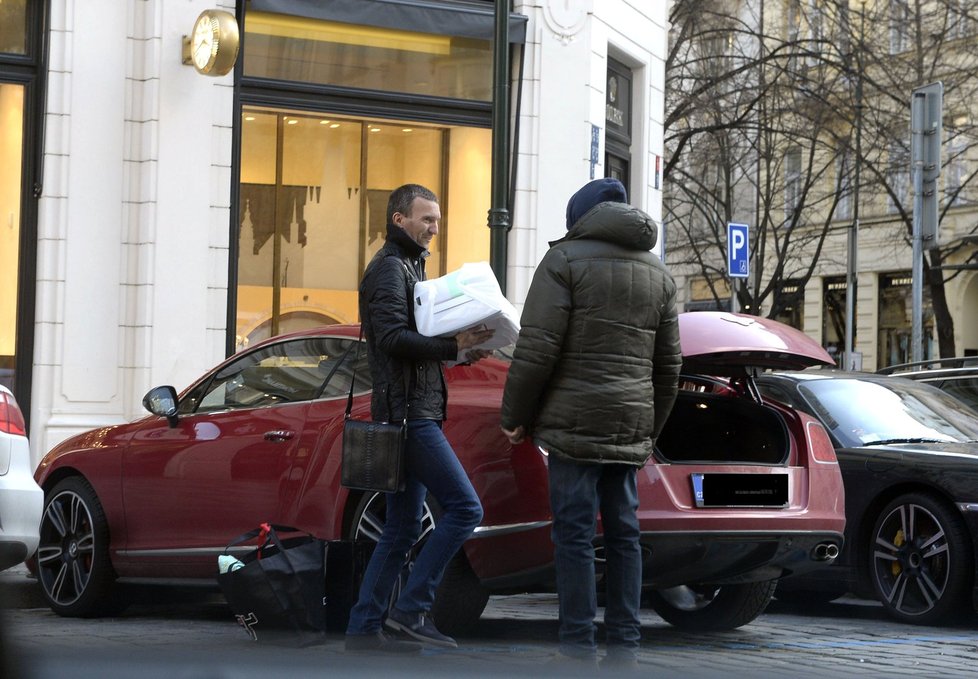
{"x": 373, "y": 452}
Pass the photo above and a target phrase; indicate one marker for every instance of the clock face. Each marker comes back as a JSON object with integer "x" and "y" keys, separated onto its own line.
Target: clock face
{"x": 203, "y": 43}
{"x": 212, "y": 46}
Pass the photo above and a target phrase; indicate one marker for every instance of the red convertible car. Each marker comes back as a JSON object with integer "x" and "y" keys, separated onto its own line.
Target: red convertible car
{"x": 738, "y": 494}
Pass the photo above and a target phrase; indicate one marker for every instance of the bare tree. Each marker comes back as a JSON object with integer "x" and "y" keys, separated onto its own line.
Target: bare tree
{"x": 754, "y": 132}
{"x": 797, "y": 127}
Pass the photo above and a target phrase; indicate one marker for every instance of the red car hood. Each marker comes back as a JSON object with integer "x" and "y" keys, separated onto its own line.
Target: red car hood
{"x": 725, "y": 344}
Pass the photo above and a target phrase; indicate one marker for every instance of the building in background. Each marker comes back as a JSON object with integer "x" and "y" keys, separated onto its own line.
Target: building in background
{"x": 793, "y": 116}
{"x": 154, "y": 219}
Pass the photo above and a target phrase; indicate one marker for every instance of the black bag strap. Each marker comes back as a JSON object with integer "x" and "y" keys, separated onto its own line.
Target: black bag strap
{"x": 349, "y": 398}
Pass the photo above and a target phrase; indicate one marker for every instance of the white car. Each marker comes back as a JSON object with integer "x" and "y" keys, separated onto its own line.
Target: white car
{"x": 21, "y": 499}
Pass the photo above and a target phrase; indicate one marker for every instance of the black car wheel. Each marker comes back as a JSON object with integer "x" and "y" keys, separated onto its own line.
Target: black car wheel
{"x": 921, "y": 560}
{"x": 712, "y": 608}
{"x": 73, "y": 563}
{"x": 460, "y": 598}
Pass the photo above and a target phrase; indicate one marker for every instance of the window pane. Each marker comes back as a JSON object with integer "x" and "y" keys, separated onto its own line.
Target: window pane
{"x": 11, "y": 145}
{"x": 309, "y": 50}
{"x": 13, "y": 26}
{"x": 313, "y": 210}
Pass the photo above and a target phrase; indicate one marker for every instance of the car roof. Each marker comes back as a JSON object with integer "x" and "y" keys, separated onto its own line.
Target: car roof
{"x": 938, "y": 367}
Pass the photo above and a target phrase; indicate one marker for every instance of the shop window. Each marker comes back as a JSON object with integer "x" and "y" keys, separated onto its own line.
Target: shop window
{"x": 895, "y": 320}
{"x": 313, "y": 203}
{"x": 834, "y": 317}
{"x": 11, "y": 154}
{"x": 789, "y": 303}
{"x": 283, "y": 47}
{"x": 13, "y": 27}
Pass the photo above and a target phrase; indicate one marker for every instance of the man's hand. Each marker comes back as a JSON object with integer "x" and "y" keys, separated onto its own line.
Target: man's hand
{"x": 473, "y": 337}
{"x": 478, "y": 355}
{"x": 516, "y": 435}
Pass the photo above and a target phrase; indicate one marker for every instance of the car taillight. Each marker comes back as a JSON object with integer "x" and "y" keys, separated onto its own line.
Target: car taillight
{"x": 819, "y": 443}
{"x": 11, "y": 419}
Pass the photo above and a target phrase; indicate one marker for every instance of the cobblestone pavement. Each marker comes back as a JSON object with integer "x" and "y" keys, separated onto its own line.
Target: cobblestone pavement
{"x": 183, "y": 633}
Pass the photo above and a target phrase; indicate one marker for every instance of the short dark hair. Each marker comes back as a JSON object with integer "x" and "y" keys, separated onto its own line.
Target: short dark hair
{"x": 403, "y": 196}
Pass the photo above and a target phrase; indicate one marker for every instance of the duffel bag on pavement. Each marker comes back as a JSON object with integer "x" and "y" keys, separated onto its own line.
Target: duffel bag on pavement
{"x": 277, "y": 587}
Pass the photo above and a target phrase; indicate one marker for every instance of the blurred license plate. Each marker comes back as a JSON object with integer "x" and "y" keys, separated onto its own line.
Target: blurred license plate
{"x": 740, "y": 490}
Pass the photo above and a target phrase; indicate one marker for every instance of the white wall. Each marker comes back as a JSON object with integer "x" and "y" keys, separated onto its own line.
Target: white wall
{"x": 567, "y": 49}
{"x": 133, "y": 220}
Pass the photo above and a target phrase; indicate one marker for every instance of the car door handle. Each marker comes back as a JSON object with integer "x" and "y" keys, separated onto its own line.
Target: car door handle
{"x": 279, "y": 435}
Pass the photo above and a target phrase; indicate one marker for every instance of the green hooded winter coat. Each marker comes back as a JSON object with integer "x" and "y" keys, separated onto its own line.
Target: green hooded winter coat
{"x": 595, "y": 370}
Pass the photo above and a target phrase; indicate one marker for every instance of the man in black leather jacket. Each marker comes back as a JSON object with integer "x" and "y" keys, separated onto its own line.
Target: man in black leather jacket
{"x": 401, "y": 358}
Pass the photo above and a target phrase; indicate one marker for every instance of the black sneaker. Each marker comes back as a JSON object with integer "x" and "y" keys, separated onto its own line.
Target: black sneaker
{"x": 379, "y": 641}
{"x": 419, "y": 626}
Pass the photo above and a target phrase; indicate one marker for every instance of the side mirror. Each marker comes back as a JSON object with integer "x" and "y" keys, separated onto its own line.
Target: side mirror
{"x": 162, "y": 402}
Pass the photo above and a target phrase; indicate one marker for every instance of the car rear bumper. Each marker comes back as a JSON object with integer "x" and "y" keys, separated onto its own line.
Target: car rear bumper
{"x": 673, "y": 559}
{"x": 21, "y": 504}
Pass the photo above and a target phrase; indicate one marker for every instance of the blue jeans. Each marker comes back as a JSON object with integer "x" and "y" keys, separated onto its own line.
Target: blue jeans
{"x": 577, "y": 492}
{"x": 432, "y": 466}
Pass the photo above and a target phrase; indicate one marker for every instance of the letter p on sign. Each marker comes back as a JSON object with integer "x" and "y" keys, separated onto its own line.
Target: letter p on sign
{"x": 738, "y": 255}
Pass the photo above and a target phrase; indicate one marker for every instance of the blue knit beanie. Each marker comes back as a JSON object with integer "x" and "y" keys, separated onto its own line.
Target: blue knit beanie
{"x": 592, "y": 193}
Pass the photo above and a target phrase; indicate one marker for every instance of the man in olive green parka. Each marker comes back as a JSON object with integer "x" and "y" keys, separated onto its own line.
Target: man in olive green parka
{"x": 593, "y": 379}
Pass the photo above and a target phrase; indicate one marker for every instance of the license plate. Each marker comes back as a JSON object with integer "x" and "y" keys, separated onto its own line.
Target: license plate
{"x": 740, "y": 490}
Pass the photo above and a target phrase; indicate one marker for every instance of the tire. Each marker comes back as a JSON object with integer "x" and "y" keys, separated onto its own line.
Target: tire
{"x": 920, "y": 560}
{"x": 460, "y": 599}
{"x": 73, "y": 564}
{"x": 713, "y": 608}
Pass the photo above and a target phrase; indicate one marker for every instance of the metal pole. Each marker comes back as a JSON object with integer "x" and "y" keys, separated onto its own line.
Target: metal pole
{"x": 852, "y": 238}
{"x": 917, "y": 271}
{"x": 499, "y": 210}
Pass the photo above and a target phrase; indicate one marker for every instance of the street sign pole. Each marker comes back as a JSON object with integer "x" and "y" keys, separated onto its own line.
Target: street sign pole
{"x": 926, "y": 123}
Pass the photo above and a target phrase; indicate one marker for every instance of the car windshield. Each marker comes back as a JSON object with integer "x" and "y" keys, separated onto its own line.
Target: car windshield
{"x": 862, "y": 412}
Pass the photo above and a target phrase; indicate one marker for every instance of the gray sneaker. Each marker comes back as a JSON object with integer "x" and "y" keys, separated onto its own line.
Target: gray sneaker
{"x": 418, "y": 626}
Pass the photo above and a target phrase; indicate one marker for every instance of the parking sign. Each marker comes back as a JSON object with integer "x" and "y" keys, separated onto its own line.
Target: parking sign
{"x": 738, "y": 259}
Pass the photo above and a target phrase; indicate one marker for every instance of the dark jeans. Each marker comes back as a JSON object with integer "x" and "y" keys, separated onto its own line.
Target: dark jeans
{"x": 577, "y": 492}
{"x": 431, "y": 467}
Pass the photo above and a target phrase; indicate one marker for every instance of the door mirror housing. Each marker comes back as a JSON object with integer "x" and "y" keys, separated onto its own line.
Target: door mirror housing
{"x": 162, "y": 402}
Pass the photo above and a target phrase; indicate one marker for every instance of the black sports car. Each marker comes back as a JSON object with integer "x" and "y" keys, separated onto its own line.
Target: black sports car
{"x": 909, "y": 458}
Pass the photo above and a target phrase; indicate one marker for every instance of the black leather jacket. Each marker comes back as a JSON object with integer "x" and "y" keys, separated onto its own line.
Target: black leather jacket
{"x": 387, "y": 315}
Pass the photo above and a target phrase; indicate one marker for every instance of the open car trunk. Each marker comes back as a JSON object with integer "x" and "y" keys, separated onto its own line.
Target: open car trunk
{"x": 718, "y": 429}
{"x": 721, "y": 418}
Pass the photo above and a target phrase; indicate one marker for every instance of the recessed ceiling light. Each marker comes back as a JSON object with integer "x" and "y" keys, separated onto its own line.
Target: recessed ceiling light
{"x": 324, "y": 122}
{"x": 334, "y": 126}
{"x": 249, "y": 118}
{"x": 293, "y": 121}
{"x": 375, "y": 129}
{"x": 407, "y": 129}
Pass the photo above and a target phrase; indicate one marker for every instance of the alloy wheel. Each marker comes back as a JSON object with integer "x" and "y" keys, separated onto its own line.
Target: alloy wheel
{"x": 912, "y": 559}
{"x": 66, "y": 552}
{"x": 370, "y": 521}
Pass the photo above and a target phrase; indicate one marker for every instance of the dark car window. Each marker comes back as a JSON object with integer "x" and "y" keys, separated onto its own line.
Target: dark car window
{"x": 284, "y": 372}
{"x": 339, "y": 380}
{"x": 964, "y": 389}
{"x": 860, "y": 411}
